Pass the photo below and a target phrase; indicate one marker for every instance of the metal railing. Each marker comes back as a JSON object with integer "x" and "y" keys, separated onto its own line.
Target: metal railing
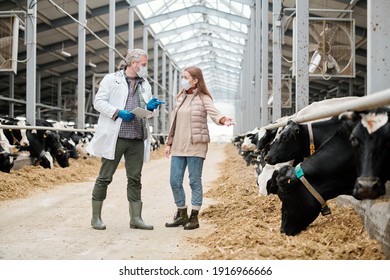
{"x": 372, "y": 101}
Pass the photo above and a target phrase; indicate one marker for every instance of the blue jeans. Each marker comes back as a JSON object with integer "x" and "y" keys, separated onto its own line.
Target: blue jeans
{"x": 178, "y": 167}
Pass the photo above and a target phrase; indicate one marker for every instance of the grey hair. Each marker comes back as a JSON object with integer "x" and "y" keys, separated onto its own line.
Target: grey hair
{"x": 132, "y": 55}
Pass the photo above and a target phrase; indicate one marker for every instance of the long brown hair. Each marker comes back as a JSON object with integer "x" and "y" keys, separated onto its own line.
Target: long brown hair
{"x": 196, "y": 73}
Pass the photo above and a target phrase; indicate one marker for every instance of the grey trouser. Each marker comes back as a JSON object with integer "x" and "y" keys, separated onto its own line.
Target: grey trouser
{"x": 133, "y": 152}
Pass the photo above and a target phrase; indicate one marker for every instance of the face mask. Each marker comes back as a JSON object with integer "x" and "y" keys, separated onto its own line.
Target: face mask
{"x": 185, "y": 84}
{"x": 143, "y": 71}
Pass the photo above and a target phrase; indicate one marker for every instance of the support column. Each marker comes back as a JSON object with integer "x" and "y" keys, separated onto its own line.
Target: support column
{"x": 246, "y": 86}
{"x": 258, "y": 103}
{"x": 169, "y": 98}
{"x": 38, "y": 95}
{"x": 163, "y": 90}
{"x": 11, "y": 108}
{"x": 145, "y": 39}
{"x": 111, "y": 37}
{"x": 81, "y": 64}
{"x": 131, "y": 29}
{"x": 378, "y": 78}
{"x": 155, "y": 78}
{"x": 264, "y": 63}
{"x": 378, "y": 46}
{"x": 302, "y": 55}
{"x": 176, "y": 79}
{"x": 276, "y": 62}
{"x": 31, "y": 70}
{"x": 59, "y": 99}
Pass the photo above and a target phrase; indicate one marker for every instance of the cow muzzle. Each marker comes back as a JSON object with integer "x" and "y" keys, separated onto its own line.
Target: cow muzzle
{"x": 368, "y": 188}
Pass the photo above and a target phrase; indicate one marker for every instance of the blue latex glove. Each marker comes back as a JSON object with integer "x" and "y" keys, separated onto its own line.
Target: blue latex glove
{"x": 126, "y": 115}
{"x": 153, "y": 104}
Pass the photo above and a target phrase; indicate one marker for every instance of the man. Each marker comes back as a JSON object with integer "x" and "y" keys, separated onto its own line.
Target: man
{"x": 120, "y": 133}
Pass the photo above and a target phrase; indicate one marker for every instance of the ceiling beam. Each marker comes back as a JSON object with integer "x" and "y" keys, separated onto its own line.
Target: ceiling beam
{"x": 205, "y": 38}
{"x": 197, "y": 9}
{"x": 178, "y": 55}
{"x": 200, "y": 25}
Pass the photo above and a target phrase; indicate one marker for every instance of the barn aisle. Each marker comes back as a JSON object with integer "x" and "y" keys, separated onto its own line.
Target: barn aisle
{"x": 55, "y": 224}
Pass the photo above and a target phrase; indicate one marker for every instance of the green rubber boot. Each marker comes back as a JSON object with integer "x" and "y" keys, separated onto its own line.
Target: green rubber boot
{"x": 135, "y": 209}
{"x": 96, "y": 221}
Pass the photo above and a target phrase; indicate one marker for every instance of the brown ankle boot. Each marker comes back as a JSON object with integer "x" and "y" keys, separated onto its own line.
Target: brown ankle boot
{"x": 179, "y": 219}
{"x": 193, "y": 222}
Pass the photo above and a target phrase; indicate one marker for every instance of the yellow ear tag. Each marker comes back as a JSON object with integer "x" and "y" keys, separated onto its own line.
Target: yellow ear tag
{"x": 289, "y": 180}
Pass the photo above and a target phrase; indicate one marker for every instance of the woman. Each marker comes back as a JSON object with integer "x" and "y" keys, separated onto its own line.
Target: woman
{"x": 187, "y": 143}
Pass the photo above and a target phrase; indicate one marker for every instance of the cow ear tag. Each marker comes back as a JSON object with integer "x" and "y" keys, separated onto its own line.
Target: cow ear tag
{"x": 298, "y": 171}
{"x": 325, "y": 210}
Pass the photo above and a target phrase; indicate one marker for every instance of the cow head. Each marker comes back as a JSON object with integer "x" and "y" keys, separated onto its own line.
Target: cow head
{"x": 283, "y": 148}
{"x": 6, "y": 161}
{"x": 7, "y": 153}
{"x": 250, "y": 140}
{"x": 44, "y": 159}
{"x": 272, "y": 185}
{"x": 37, "y": 150}
{"x": 370, "y": 140}
{"x": 299, "y": 207}
{"x": 265, "y": 139}
{"x": 70, "y": 146}
{"x": 53, "y": 142}
{"x": 81, "y": 148}
{"x": 23, "y": 134}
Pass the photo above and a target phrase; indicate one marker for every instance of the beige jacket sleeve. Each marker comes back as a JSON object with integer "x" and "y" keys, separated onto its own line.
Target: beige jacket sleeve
{"x": 216, "y": 116}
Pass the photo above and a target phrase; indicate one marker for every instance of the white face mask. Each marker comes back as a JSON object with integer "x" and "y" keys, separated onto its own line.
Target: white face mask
{"x": 143, "y": 71}
{"x": 185, "y": 84}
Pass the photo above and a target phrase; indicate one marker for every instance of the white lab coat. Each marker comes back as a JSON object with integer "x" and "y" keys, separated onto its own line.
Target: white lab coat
{"x": 112, "y": 95}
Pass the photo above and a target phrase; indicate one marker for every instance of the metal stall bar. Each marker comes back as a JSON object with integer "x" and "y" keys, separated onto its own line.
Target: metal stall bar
{"x": 368, "y": 102}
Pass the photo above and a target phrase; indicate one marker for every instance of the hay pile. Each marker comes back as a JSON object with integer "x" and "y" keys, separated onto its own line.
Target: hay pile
{"x": 20, "y": 183}
{"x": 248, "y": 225}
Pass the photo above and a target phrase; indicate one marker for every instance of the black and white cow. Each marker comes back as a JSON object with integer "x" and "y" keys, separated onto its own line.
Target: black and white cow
{"x": 66, "y": 138}
{"x": 251, "y": 138}
{"x": 6, "y": 154}
{"x": 81, "y": 147}
{"x": 154, "y": 143}
{"x": 331, "y": 171}
{"x": 370, "y": 140}
{"x": 37, "y": 151}
{"x": 25, "y": 141}
{"x": 290, "y": 144}
{"x": 237, "y": 141}
{"x": 162, "y": 139}
{"x": 81, "y": 140}
{"x": 17, "y": 137}
{"x": 295, "y": 142}
{"x": 52, "y": 143}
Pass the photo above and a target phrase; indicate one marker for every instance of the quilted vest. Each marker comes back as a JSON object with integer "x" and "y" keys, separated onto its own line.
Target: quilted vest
{"x": 199, "y": 128}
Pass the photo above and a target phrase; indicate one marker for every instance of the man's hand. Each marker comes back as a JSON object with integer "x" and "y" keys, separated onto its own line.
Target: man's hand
{"x": 153, "y": 104}
{"x": 126, "y": 115}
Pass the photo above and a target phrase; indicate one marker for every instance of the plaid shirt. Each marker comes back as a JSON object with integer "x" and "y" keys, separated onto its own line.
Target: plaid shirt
{"x": 133, "y": 128}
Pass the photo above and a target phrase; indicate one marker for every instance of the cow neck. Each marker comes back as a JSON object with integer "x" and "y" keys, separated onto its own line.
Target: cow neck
{"x": 325, "y": 210}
